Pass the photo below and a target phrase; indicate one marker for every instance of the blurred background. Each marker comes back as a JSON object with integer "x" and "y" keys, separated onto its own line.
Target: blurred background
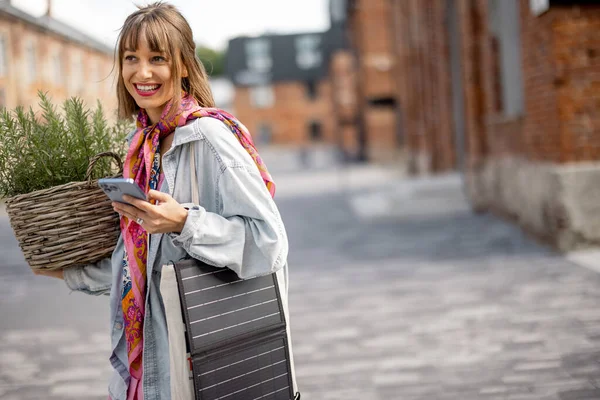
{"x": 438, "y": 173}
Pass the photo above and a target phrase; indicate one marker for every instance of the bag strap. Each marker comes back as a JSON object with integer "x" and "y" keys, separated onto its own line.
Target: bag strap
{"x": 193, "y": 172}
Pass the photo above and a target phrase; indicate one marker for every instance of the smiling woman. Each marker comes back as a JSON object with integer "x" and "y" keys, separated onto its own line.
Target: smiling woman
{"x": 147, "y": 78}
{"x": 154, "y": 59}
{"x": 221, "y": 212}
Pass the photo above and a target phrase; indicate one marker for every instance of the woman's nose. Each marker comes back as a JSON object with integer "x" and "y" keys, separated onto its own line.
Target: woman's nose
{"x": 144, "y": 70}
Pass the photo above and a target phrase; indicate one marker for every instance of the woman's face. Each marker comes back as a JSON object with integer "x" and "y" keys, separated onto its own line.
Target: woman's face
{"x": 148, "y": 79}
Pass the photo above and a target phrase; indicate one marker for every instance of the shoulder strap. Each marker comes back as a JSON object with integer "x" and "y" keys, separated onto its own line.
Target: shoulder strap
{"x": 193, "y": 176}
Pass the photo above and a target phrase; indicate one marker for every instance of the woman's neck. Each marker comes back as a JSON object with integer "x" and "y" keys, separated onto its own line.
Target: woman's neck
{"x": 153, "y": 117}
{"x": 165, "y": 143}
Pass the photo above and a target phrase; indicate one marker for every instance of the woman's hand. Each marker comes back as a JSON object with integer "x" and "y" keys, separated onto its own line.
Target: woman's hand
{"x": 165, "y": 217}
{"x": 53, "y": 274}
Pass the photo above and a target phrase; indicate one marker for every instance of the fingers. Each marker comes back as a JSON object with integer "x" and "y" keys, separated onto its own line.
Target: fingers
{"x": 131, "y": 217}
{"x": 166, "y": 216}
{"x": 137, "y": 203}
{"x": 128, "y": 211}
{"x": 123, "y": 208}
{"x": 160, "y": 196}
{"x": 54, "y": 274}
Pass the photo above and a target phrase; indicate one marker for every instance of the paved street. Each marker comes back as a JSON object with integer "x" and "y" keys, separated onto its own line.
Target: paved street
{"x": 398, "y": 291}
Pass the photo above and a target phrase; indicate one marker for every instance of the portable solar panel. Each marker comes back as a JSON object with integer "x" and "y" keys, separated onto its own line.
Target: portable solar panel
{"x": 236, "y": 333}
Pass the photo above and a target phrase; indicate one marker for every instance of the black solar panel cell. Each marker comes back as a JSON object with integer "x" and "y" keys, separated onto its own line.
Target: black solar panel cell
{"x": 236, "y": 334}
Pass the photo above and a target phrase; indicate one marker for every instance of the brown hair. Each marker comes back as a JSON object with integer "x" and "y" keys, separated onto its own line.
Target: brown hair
{"x": 166, "y": 30}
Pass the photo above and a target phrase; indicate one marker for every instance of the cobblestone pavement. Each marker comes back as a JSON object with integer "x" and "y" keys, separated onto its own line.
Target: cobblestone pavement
{"x": 397, "y": 292}
{"x": 435, "y": 303}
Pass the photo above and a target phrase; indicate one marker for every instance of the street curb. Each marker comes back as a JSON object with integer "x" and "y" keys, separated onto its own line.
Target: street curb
{"x": 588, "y": 258}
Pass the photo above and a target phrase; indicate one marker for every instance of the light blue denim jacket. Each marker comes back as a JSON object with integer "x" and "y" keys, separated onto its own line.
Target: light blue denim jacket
{"x": 236, "y": 225}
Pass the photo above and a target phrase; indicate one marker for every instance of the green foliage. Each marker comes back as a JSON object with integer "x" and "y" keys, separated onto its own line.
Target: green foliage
{"x": 39, "y": 152}
{"x": 213, "y": 60}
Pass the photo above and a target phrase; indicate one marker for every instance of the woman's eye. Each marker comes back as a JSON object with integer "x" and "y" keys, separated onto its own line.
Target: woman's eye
{"x": 129, "y": 58}
{"x": 159, "y": 59}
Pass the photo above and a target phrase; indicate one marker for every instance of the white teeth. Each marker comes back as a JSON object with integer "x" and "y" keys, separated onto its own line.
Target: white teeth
{"x": 147, "y": 88}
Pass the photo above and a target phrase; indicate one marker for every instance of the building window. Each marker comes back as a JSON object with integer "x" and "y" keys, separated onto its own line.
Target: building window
{"x": 94, "y": 74}
{"x": 315, "y": 131}
{"x": 57, "y": 68}
{"x": 308, "y": 54}
{"x": 262, "y": 96}
{"x": 31, "y": 56}
{"x": 76, "y": 73}
{"x": 258, "y": 55}
{"x": 506, "y": 50}
{"x": 311, "y": 90}
{"x": 108, "y": 81}
{"x": 3, "y": 55}
{"x": 264, "y": 133}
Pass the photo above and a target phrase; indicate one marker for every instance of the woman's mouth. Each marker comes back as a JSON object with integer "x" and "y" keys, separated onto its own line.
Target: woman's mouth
{"x": 146, "y": 89}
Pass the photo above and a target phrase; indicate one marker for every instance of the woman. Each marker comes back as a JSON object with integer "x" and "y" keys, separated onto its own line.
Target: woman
{"x": 236, "y": 224}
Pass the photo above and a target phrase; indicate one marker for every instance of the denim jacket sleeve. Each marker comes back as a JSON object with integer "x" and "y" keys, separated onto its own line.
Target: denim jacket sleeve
{"x": 94, "y": 279}
{"x": 246, "y": 234}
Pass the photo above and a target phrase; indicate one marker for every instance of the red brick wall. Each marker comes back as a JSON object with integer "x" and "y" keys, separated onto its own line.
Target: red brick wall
{"x": 291, "y": 113}
{"x": 423, "y": 87}
{"x": 372, "y": 38}
{"x": 541, "y": 126}
{"x": 343, "y": 79}
{"x": 343, "y": 76}
{"x": 381, "y": 133}
{"x": 470, "y": 15}
{"x": 561, "y": 77}
{"x": 489, "y": 132}
{"x": 370, "y": 28}
{"x": 576, "y": 51}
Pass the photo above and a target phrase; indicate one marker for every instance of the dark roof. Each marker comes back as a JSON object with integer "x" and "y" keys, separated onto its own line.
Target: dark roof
{"x": 335, "y": 39}
{"x": 283, "y": 55}
{"x": 52, "y": 25}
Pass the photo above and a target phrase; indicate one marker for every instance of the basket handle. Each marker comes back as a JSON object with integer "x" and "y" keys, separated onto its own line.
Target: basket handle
{"x": 94, "y": 160}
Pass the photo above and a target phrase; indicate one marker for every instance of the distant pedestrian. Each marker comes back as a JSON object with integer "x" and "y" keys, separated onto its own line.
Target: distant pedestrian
{"x": 303, "y": 154}
{"x": 236, "y": 223}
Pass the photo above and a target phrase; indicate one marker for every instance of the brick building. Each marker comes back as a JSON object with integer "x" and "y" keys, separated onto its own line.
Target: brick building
{"x": 532, "y": 114}
{"x": 313, "y": 88}
{"x": 45, "y": 54}
{"x": 505, "y": 90}
{"x": 401, "y": 48}
{"x": 282, "y": 92}
{"x": 372, "y": 43}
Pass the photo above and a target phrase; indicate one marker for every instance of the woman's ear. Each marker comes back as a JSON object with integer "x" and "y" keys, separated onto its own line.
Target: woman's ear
{"x": 184, "y": 73}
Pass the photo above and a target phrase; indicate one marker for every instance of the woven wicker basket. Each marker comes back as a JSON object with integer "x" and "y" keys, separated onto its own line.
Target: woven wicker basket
{"x": 67, "y": 225}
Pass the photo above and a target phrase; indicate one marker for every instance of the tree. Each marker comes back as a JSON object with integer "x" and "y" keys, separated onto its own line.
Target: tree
{"x": 213, "y": 60}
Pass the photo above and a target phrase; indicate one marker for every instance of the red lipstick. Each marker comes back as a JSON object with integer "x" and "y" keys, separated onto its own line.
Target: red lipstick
{"x": 146, "y": 93}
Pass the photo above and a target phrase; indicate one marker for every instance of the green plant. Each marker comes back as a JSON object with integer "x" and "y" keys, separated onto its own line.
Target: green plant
{"x": 54, "y": 148}
{"x": 213, "y": 60}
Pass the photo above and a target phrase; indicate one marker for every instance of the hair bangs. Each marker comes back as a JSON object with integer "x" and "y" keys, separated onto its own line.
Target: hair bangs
{"x": 155, "y": 33}
{"x": 128, "y": 38}
{"x": 146, "y": 28}
{"x": 162, "y": 27}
